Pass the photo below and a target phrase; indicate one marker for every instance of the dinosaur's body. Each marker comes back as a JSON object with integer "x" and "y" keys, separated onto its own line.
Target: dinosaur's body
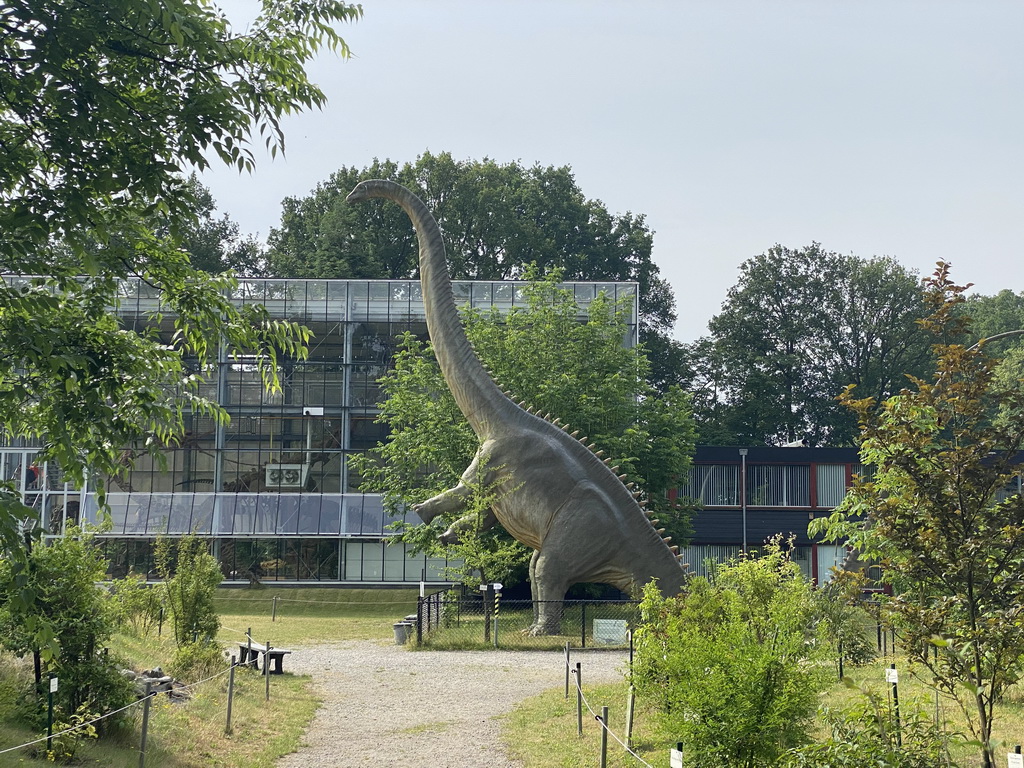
{"x": 582, "y": 522}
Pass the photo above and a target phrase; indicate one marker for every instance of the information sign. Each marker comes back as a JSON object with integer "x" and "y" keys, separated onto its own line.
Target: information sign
{"x": 891, "y": 676}
{"x": 1014, "y": 760}
{"x": 53, "y": 685}
{"x": 675, "y": 758}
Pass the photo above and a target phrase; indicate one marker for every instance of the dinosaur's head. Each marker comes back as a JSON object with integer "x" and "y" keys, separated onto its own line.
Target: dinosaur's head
{"x": 364, "y": 190}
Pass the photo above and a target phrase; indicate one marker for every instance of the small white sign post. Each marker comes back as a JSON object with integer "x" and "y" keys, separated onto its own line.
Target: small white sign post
{"x": 1014, "y": 760}
{"x": 49, "y": 714}
{"x": 891, "y": 675}
{"x": 675, "y": 756}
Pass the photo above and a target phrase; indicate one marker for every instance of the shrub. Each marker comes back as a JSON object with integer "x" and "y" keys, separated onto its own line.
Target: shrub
{"x": 62, "y": 576}
{"x": 865, "y": 736}
{"x": 65, "y": 746}
{"x": 195, "y": 661}
{"x": 734, "y": 665}
{"x": 191, "y": 575}
{"x": 136, "y": 604}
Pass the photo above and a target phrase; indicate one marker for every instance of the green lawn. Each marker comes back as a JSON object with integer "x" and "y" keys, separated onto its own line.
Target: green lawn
{"x": 541, "y": 731}
{"x": 192, "y": 734}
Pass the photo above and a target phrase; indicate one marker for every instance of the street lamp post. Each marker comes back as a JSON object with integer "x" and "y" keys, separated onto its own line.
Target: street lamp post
{"x": 743, "y": 494}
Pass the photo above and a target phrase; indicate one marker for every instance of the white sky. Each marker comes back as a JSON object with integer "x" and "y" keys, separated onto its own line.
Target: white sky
{"x": 876, "y": 127}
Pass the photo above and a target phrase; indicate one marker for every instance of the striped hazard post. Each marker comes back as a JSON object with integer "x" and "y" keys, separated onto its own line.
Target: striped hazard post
{"x": 497, "y": 604}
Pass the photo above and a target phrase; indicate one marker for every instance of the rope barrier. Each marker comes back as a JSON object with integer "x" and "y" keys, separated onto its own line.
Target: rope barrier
{"x": 208, "y": 679}
{"x": 76, "y": 727}
{"x": 583, "y": 698}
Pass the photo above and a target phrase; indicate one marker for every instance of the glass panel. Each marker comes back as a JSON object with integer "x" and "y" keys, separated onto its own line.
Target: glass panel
{"x": 714, "y": 485}
{"x": 309, "y": 513}
{"x": 831, "y": 484}
{"x": 266, "y": 513}
{"x": 394, "y": 563}
{"x": 770, "y": 485}
{"x": 288, "y": 513}
{"x": 330, "y": 514}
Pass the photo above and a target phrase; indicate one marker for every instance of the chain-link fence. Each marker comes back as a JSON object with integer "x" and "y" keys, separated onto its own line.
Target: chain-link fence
{"x": 449, "y": 620}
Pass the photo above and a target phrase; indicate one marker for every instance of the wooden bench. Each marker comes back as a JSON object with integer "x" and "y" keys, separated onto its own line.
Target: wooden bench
{"x": 250, "y": 652}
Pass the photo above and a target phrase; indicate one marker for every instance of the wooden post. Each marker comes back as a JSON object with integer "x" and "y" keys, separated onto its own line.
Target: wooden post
{"x": 567, "y": 669}
{"x": 273, "y": 613}
{"x": 630, "y": 702}
{"x": 145, "y": 727}
{"x": 231, "y": 694}
{"x": 579, "y": 702}
{"x": 604, "y": 737}
{"x": 266, "y": 669}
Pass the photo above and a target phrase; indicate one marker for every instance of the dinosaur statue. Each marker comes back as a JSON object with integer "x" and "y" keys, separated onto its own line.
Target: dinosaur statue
{"x": 580, "y": 518}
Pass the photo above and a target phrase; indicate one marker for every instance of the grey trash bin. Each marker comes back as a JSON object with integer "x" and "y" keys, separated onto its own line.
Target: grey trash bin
{"x": 403, "y": 630}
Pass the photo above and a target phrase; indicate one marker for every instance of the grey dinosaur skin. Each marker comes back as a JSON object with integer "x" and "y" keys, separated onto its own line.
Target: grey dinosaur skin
{"x": 578, "y": 516}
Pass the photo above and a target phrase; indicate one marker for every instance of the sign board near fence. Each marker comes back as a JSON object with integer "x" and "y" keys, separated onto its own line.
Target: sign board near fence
{"x": 891, "y": 676}
{"x": 1014, "y": 760}
{"x": 675, "y": 758}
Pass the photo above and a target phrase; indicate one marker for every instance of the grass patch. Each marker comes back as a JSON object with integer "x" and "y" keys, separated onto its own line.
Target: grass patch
{"x": 191, "y": 734}
{"x": 541, "y": 731}
{"x": 308, "y": 616}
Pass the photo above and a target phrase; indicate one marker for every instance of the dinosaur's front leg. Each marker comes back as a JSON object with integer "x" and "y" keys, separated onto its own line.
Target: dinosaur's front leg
{"x": 465, "y": 524}
{"x": 452, "y": 500}
{"x": 455, "y": 499}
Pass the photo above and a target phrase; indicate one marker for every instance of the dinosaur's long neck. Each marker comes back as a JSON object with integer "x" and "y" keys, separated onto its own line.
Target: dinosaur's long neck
{"x": 476, "y": 394}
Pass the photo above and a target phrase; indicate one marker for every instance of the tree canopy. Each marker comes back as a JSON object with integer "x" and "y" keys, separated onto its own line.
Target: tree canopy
{"x": 578, "y": 371}
{"x": 497, "y": 219}
{"x": 798, "y": 327}
{"x": 102, "y": 108}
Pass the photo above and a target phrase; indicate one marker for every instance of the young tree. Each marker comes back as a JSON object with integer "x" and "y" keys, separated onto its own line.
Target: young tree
{"x": 191, "y": 576}
{"x": 104, "y": 106}
{"x": 578, "y": 371}
{"x": 734, "y": 664}
{"x": 941, "y": 513}
{"x": 497, "y": 219}
{"x": 799, "y": 326}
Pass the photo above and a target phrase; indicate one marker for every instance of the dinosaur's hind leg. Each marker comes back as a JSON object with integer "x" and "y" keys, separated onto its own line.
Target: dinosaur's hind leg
{"x": 576, "y": 546}
{"x": 549, "y": 585}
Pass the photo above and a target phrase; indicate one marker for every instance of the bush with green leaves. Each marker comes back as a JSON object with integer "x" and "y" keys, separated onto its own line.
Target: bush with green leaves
{"x": 191, "y": 576}
{"x": 136, "y": 604}
{"x": 58, "y": 589}
{"x": 866, "y": 735}
{"x": 64, "y": 745}
{"x": 195, "y": 661}
{"x": 735, "y": 664}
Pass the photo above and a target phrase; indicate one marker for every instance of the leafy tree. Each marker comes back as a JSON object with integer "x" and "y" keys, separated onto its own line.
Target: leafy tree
{"x": 497, "y": 219}
{"x": 62, "y": 579}
{"x": 734, "y": 664}
{"x": 944, "y": 515}
{"x": 577, "y": 371}
{"x": 216, "y": 244}
{"x": 797, "y": 328}
{"x": 103, "y": 105}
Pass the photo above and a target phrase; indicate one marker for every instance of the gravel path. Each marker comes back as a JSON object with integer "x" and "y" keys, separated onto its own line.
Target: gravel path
{"x": 385, "y": 705}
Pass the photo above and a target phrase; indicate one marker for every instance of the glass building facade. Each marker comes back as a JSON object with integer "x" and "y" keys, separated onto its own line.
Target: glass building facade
{"x": 273, "y": 489}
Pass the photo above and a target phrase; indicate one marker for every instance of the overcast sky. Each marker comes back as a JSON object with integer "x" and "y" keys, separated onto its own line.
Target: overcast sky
{"x": 881, "y": 127}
